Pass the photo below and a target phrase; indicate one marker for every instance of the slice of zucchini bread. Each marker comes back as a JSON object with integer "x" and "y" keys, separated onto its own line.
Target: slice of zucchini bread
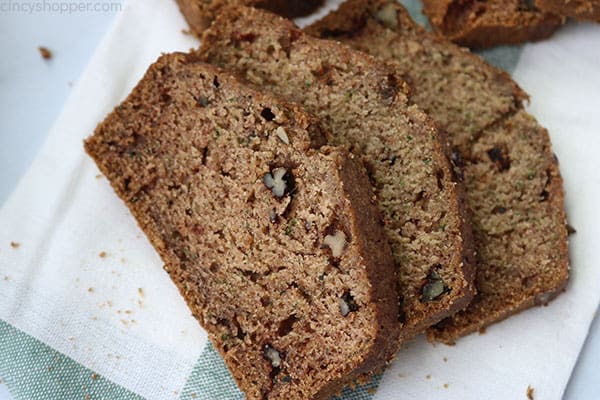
{"x": 486, "y": 23}
{"x": 513, "y": 183}
{"x": 200, "y": 13}
{"x": 364, "y": 105}
{"x": 277, "y": 249}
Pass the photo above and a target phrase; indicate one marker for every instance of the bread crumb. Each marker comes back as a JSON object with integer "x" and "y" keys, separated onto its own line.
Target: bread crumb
{"x": 193, "y": 395}
{"x": 128, "y": 311}
{"x": 428, "y": 376}
{"x": 15, "y": 245}
{"x": 186, "y": 32}
{"x": 372, "y": 391}
{"x": 530, "y": 392}
{"x": 482, "y": 330}
{"x": 445, "y": 359}
{"x": 141, "y": 292}
{"x": 6, "y": 278}
{"x": 90, "y": 290}
{"x": 45, "y": 53}
{"x": 98, "y": 176}
{"x": 446, "y": 386}
{"x": 94, "y": 376}
{"x": 102, "y": 254}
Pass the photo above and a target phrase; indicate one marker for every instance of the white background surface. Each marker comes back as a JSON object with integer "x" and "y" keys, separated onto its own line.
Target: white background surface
{"x": 32, "y": 93}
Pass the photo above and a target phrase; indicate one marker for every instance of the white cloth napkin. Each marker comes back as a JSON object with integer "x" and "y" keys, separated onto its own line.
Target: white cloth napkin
{"x": 81, "y": 277}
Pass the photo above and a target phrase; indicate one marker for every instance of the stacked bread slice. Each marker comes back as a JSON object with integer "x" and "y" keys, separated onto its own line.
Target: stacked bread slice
{"x": 318, "y": 203}
{"x": 486, "y": 23}
{"x": 275, "y": 244}
{"x": 200, "y": 13}
{"x": 513, "y": 184}
{"x": 364, "y": 104}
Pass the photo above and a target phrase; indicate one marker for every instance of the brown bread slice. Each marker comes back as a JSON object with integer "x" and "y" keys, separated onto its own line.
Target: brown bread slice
{"x": 579, "y": 9}
{"x": 200, "y": 13}
{"x": 277, "y": 249}
{"x": 364, "y": 104}
{"x": 486, "y": 23}
{"x": 513, "y": 184}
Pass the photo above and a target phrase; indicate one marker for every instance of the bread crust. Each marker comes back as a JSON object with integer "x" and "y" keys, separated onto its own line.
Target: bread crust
{"x": 481, "y": 24}
{"x": 586, "y": 10}
{"x": 199, "y": 14}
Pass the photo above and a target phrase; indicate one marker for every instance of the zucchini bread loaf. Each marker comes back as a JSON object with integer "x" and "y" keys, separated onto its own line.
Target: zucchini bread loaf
{"x": 200, "y": 13}
{"x": 277, "y": 249}
{"x": 513, "y": 184}
{"x": 486, "y": 23}
{"x": 363, "y": 103}
{"x": 579, "y": 9}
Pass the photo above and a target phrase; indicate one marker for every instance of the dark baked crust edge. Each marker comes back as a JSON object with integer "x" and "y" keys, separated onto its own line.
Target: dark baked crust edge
{"x": 482, "y": 34}
{"x": 570, "y": 9}
{"x": 199, "y": 17}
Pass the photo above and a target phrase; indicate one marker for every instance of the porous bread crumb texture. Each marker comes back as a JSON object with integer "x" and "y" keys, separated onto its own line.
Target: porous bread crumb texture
{"x": 579, "y": 9}
{"x": 513, "y": 184}
{"x": 487, "y": 23}
{"x": 188, "y": 151}
{"x": 200, "y": 13}
{"x": 364, "y": 106}
{"x": 515, "y": 190}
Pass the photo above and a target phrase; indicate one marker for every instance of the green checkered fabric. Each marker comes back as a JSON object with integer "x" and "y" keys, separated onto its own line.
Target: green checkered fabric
{"x": 34, "y": 371}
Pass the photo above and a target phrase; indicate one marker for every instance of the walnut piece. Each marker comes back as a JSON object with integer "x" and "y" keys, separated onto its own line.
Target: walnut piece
{"x": 336, "y": 242}
{"x": 388, "y": 16}
{"x": 282, "y": 135}
{"x": 275, "y": 181}
{"x": 344, "y": 307}
{"x": 272, "y": 355}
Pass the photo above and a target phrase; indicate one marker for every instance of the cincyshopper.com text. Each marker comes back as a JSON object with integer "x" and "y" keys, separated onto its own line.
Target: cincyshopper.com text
{"x": 59, "y": 7}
